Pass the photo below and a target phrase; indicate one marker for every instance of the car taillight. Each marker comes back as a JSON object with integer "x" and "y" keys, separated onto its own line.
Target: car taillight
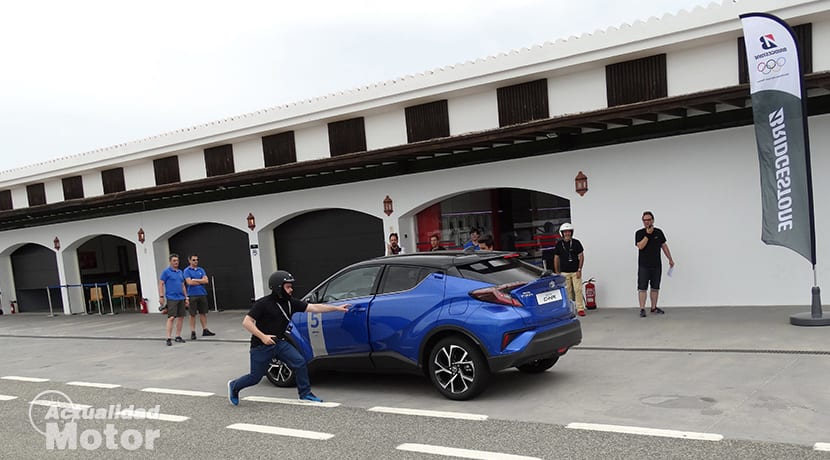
{"x": 507, "y": 338}
{"x": 497, "y": 294}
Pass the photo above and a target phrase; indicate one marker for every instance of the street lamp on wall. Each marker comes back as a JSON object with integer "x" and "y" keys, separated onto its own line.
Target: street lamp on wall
{"x": 251, "y": 221}
{"x": 387, "y": 206}
{"x": 581, "y": 183}
{"x": 57, "y": 243}
{"x": 141, "y": 235}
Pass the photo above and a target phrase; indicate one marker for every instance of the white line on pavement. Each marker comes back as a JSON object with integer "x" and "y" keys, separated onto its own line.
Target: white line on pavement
{"x": 289, "y": 401}
{"x": 280, "y": 431}
{"x": 645, "y": 431}
{"x": 168, "y": 391}
{"x": 61, "y": 404}
{"x": 128, "y": 413}
{"x": 24, "y": 379}
{"x": 824, "y": 446}
{"x": 462, "y": 453}
{"x": 7, "y": 397}
{"x": 93, "y": 384}
{"x": 428, "y": 413}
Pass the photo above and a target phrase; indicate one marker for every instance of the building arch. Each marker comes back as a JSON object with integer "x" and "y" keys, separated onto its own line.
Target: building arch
{"x": 34, "y": 268}
{"x": 519, "y": 219}
{"x": 103, "y": 258}
{"x": 223, "y": 253}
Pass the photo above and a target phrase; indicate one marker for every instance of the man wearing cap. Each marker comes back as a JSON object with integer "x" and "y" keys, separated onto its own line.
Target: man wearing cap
{"x": 269, "y": 321}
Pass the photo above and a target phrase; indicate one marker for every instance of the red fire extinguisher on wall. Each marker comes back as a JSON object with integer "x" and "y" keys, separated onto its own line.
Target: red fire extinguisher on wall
{"x": 13, "y": 306}
{"x": 590, "y": 290}
{"x": 143, "y": 304}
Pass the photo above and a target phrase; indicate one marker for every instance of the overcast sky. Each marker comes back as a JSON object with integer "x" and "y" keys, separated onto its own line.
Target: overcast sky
{"x": 80, "y": 75}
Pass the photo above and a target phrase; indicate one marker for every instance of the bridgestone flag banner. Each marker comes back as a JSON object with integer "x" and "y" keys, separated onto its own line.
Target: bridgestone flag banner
{"x": 781, "y": 133}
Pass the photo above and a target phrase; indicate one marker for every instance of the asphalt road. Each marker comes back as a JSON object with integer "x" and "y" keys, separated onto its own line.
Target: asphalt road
{"x": 747, "y": 398}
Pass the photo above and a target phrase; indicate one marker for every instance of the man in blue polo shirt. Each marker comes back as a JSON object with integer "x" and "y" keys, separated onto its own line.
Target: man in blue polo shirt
{"x": 196, "y": 279}
{"x": 173, "y": 295}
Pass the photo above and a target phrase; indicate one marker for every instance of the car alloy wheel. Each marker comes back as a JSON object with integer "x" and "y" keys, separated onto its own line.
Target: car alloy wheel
{"x": 280, "y": 374}
{"x": 458, "y": 369}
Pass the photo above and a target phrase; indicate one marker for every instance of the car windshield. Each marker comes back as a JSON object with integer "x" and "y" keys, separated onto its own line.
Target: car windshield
{"x": 501, "y": 270}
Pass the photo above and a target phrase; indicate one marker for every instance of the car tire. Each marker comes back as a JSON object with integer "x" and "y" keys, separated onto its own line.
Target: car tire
{"x": 280, "y": 374}
{"x": 457, "y": 369}
{"x": 538, "y": 366}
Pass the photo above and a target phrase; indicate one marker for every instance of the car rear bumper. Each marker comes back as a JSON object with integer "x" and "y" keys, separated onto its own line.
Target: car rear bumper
{"x": 544, "y": 344}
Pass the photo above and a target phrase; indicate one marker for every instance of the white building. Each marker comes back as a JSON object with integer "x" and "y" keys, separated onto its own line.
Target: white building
{"x": 657, "y": 115}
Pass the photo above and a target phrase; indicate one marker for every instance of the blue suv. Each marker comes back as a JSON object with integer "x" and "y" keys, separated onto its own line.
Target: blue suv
{"x": 456, "y": 317}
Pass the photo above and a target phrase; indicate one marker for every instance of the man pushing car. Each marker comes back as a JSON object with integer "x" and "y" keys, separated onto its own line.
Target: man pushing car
{"x": 268, "y": 321}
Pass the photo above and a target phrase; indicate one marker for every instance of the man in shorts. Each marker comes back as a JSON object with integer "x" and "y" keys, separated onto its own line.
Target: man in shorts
{"x": 650, "y": 240}
{"x": 196, "y": 279}
{"x": 173, "y": 295}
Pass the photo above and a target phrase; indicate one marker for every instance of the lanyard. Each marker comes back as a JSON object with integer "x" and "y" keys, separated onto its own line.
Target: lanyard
{"x": 279, "y": 307}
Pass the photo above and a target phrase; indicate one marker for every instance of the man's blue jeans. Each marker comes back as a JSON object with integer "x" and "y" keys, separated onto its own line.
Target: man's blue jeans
{"x": 261, "y": 360}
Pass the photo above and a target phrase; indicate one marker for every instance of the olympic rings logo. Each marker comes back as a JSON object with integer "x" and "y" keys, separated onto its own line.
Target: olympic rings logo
{"x": 771, "y": 65}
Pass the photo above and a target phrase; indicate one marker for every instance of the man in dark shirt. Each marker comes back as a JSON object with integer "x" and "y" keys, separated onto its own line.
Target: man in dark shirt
{"x": 268, "y": 322}
{"x": 435, "y": 243}
{"x": 568, "y": 257}
{"x": 650, "y": 240}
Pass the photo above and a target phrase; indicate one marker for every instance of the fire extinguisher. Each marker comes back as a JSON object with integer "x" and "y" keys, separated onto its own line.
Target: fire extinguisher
{"x": 13, "y": 306}
{"x": 591, "y": 294}
{"x": 143, "y": 304}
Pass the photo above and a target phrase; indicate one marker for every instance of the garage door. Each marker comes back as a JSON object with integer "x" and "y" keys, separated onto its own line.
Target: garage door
{"x": 314, "y": 245}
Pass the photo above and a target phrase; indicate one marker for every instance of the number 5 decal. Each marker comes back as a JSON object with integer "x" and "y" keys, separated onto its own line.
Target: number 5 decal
{"x": 315, "y": 334}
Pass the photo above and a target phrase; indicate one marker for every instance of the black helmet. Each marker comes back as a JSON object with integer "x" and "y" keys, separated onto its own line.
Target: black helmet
{"x": 278, "y": 278}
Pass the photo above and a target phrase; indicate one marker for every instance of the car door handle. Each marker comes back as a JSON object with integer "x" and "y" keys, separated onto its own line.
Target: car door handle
{"x": 357, "y": 308}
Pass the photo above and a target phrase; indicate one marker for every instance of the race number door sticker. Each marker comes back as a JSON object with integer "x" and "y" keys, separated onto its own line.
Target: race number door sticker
{"x": 315, "y": 334}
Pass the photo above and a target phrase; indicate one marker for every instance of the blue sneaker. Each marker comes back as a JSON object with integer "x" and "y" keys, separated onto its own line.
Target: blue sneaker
{"x": 233, "y": 396}
{"x": 310, "y": 397}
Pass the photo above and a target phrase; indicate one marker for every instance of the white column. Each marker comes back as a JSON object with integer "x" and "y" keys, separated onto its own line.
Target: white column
{"x": 150, "y": 256}
{"x": 74, "y": 299}
{"x": 257, "y": 255}
{"x": 7, "y": 291}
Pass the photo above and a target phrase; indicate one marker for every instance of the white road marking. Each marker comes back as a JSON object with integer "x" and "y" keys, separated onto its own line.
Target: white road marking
{"x": 143, "y": 415}
{"x": 461, "y": 453}
{"x": 823, "y": 446}
{"x": 7, "y": 397}
{"x": 168, "y": 391}
{"x": 93, "y": 384}
{"x": 61, "y": 404}
{"x": 646, "y": 431}
{"x": 280, "y": 431}
{"x": 24, "y": 379}
{"x": 289, "y": 401}
{"x": 428, "y": 413}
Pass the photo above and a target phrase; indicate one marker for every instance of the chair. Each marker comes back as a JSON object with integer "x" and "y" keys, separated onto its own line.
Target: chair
{"x": 95, "y": 295}
{"x": 118, "y": 293}
{"x": 132, "y": 293}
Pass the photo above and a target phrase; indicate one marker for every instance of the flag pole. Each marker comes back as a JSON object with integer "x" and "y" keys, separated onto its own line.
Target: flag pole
{"x": 779, "y": 105}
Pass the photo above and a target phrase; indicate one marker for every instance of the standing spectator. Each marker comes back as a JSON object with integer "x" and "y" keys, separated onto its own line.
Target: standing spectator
{"x": 473, "y": 243}
{"x": 485, "y": 243}
{"x": 393, "y": 248}
{"x": 195, "y": 278}
{"x": 650, "y": 240}
{"x": 568, "y": 257}
{"x": 435, "y": 244}
{"x": 173, "y": 294}
{"x": 268, "y": 321}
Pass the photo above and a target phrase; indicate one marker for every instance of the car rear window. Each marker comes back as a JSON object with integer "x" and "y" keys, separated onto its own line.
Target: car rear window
{"x": 401, "y": 278}
{"x": 501, "y": 270}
